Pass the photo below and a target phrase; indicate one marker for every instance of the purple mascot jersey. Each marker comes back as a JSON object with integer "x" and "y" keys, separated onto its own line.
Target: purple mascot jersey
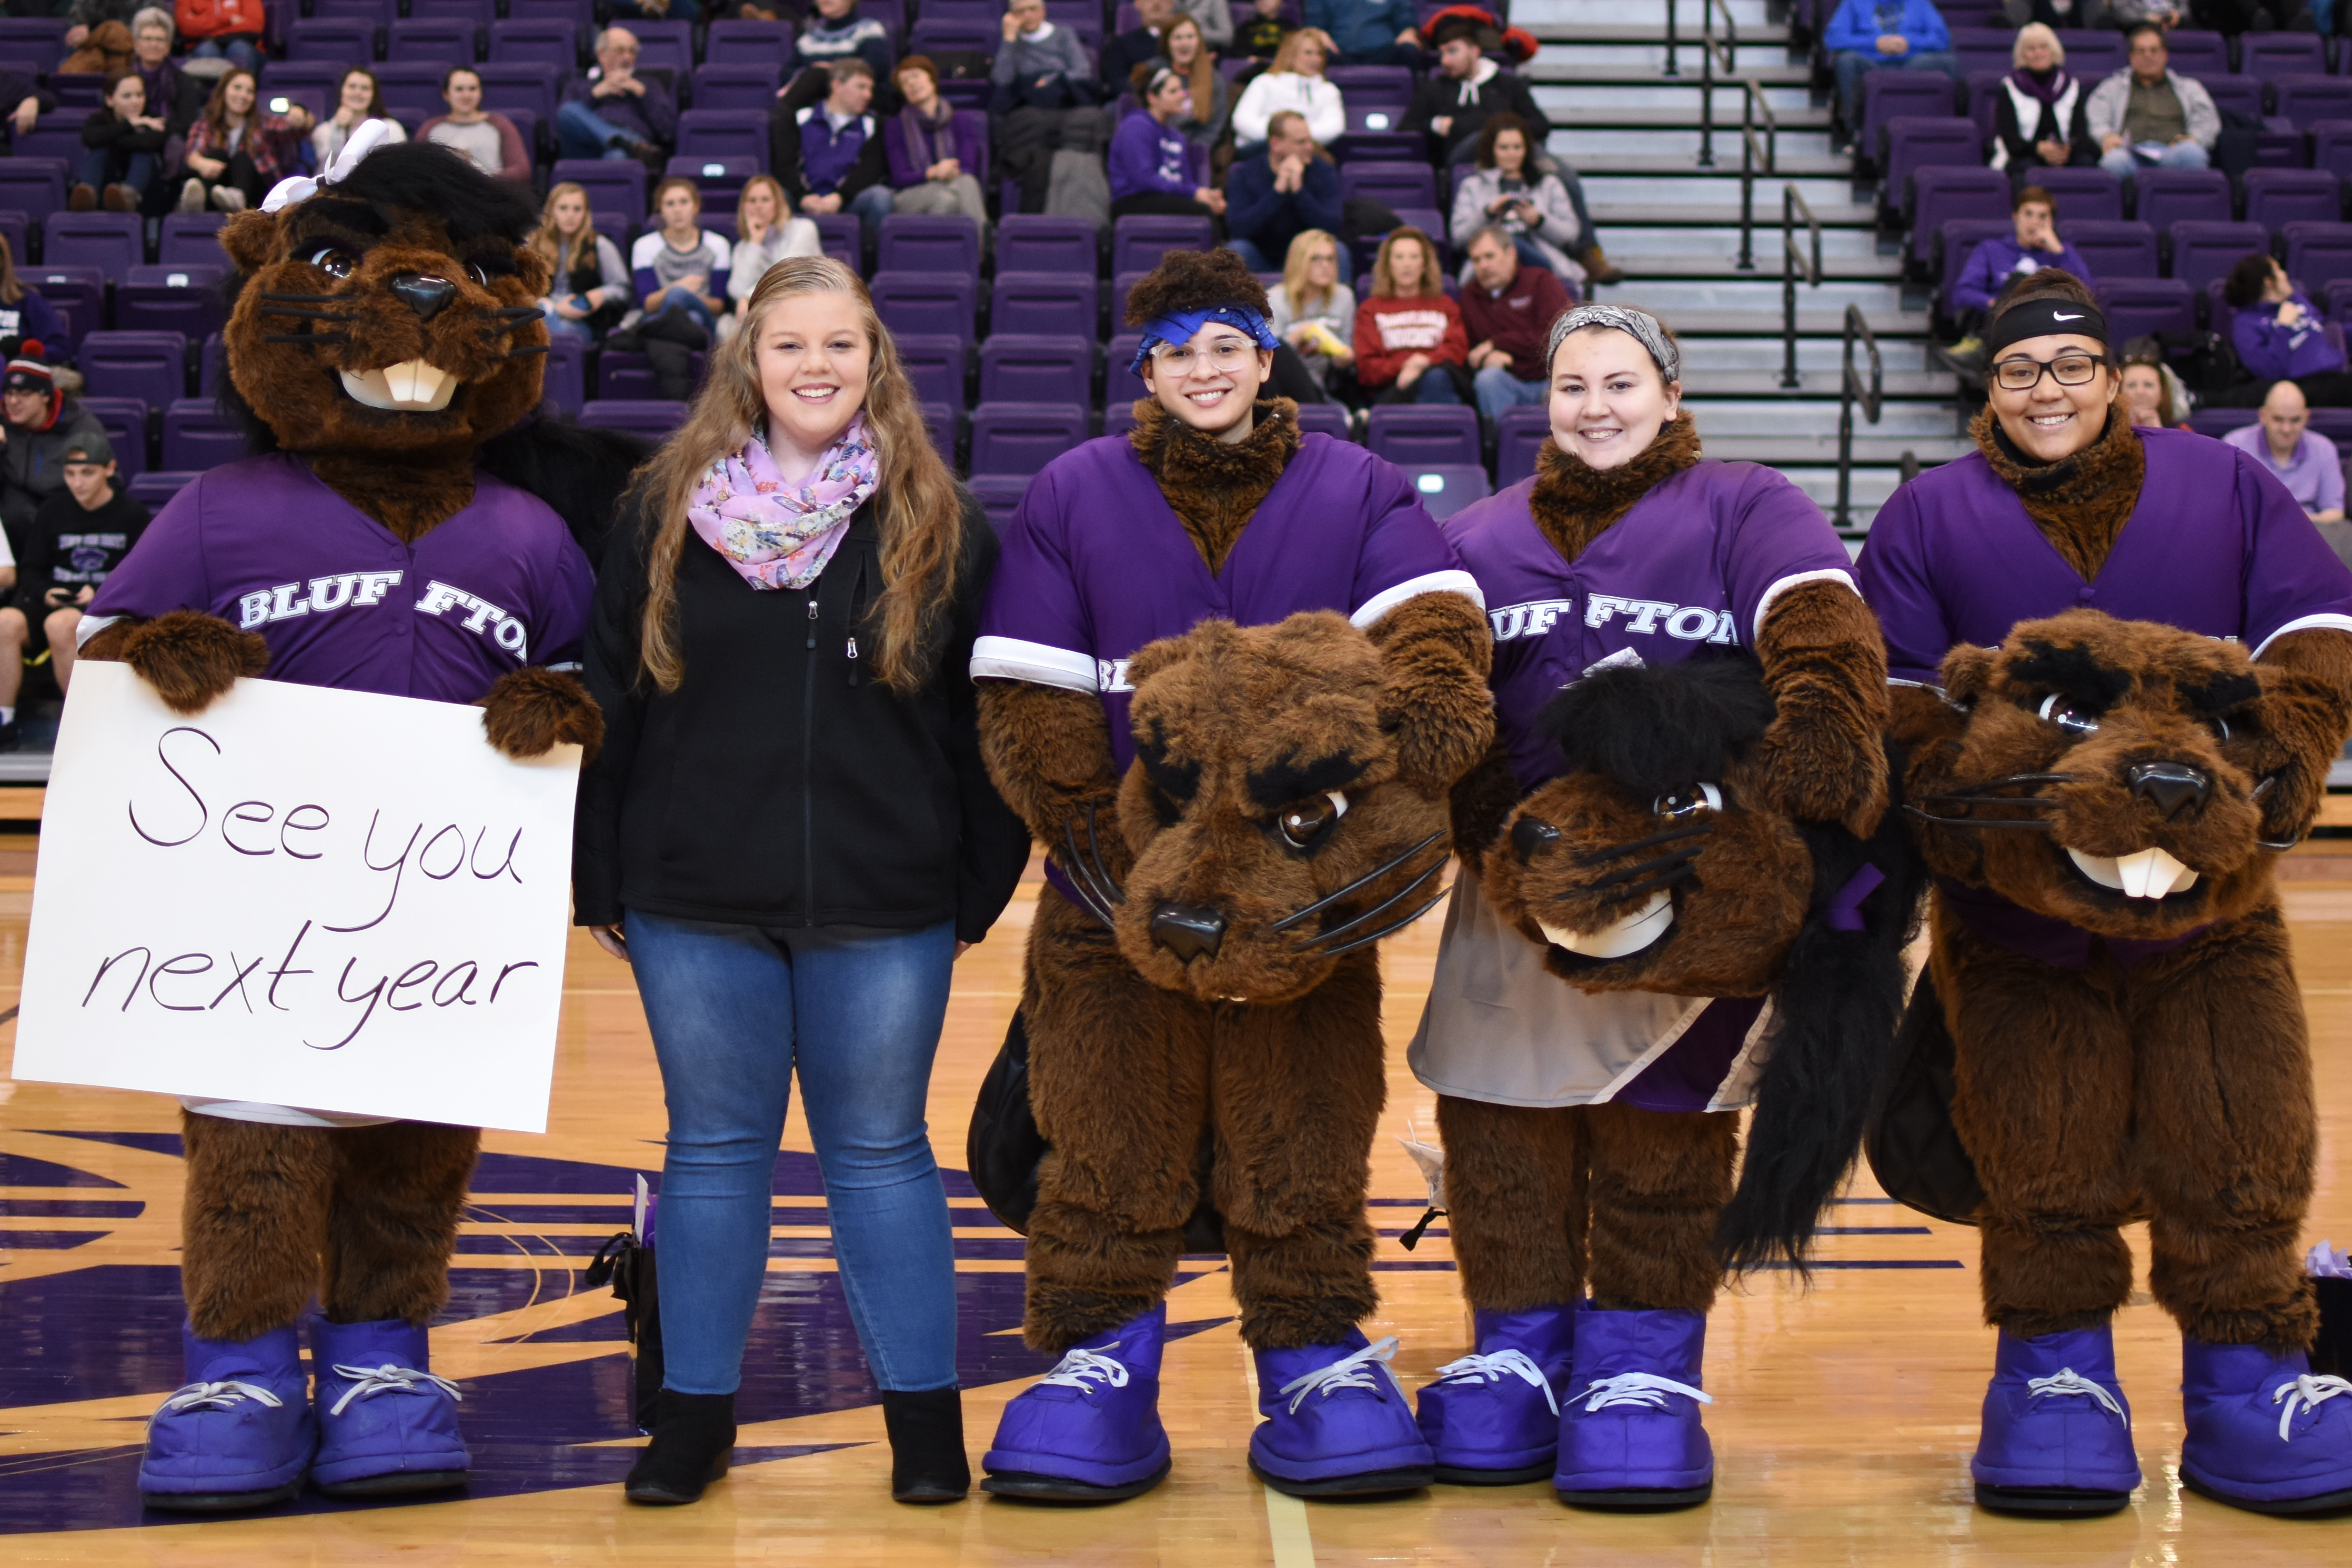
{"x": 2215, "y": 546}
{"x": 1096, "y": 564}
{"x": 265, "y": 545}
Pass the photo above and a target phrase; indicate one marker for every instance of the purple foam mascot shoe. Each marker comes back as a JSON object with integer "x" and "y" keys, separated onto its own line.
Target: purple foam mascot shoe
{"x": 1339, "y": 1424}
{"x": 387, "y": 1425}
{"x": 1089, "y": 1430}
{"x": 2265, "y": 1433}
{"x": 239, "y": 1434}
{"x": 1493, "y": 1418}
{"x": 1628, "y": 1430}
{"x": 2057, "y": 1431}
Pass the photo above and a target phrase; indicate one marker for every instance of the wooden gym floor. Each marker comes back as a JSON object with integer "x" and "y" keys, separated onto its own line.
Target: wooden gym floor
{"x": 1842, "y": 1422}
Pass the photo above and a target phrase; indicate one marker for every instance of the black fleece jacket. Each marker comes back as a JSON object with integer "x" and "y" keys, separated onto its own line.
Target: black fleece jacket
{"x": 782, "y": 785}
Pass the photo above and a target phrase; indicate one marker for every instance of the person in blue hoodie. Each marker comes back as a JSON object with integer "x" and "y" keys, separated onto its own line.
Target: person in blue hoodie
{"x": 1885, "y": 35}
{"x": 2280, "y": 337}
{"x": 1151, "y": 164}
{"x": 1369, "y": 32}
{"x": 1993, "y": 267}
{"x": 1276, "y": 196}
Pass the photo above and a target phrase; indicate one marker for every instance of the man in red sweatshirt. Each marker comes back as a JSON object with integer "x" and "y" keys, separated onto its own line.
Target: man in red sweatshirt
{"x": 1506, "y": 310}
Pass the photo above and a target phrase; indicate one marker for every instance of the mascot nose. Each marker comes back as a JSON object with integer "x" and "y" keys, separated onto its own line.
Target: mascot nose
{"x": 1531, "y": 837}
{"x": 2172, "y": 787}
{"x": 423, "y": 294}
{"x": 1188, "y": 931}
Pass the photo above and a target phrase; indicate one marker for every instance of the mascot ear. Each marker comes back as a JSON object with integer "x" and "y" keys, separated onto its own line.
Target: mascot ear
{"x": 251, "y": 240}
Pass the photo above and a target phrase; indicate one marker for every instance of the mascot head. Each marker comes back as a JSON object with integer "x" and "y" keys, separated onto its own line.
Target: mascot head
{"x": 392, "y": 311}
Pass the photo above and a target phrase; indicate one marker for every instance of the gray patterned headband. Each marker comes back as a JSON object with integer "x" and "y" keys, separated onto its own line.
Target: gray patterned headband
{"x": 1640, "y": 325}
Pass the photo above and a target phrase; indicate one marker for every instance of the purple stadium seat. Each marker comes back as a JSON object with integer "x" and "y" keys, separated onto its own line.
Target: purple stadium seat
{"x": 341, "y": 42}
{"x": 2317, "y": 254}
{"x": 2081, "y": 193}
{"x": 932, "y": 37}
{"x": 654, "y": 417}
{"x": 169, "y": 298}
{"x": 2331, "y": 146}
{"x": 1016, "y": 367}
{"x": 1413, "y": 436}
{"x": 1122, "y": 282}
{"x": 1941, "y": 195}
{"x": 1397, "y": 186}
{"x": 1519, "y": 435}
{"x": 212, "y": 364}
{"x": 928, "y": 242}
{"x": 926, "y": 301}
{"x": 2218, "y": 422}
{"x": 149, "y": 367}
{"x": 580, "y": 13}
{"x": 479, "y": 13}
{"x": 748, "y": 43}
{"x": 1137, "y": 242}
{"x": 79, "y": 289}
{"x": 2204, "y": 251}
{"x": 1120, "y": 384}
{"x": 2267, "y": 57}
{"x": 57, "y": 135}
{"x": 1889, "y": 95}
{"x": 435, "y": 39}
{"x": 626, "y": 377}
{"x": 377, "y": 14}
{"x": 1984, "y": 94}
{"x": 510, "y": 86}
{"x": 665, "y": 46}
{"x": 310, "y": 83}
{"x": 736, "y": 85}
{"x": 566, "y": 381}
{"x": 1374, "y": 84}
{"x": 728, "y": 134}
{"x": 412, "y": 86}
{"x": 2276, "y": 197}
{"x": 152, "y": 488}
{"x": 719, "y": 179}
{"x": 197, "y": 436}
{"x": 125, "y": 422}
{"x": 1032, "y": 242}
{"x": 1956, "y": 241}
{"x": 1050, "y": 302}
{"x": 1978, "y": 48}
{"x": 112, "y": 242}
{"x": 2335, "y": 423}
{"x": 934, "y": 363}
{"x": 2138, "y": 306}
{"x": 545, "y": 40}
{"x": 2303, "y": 101}
{"x": 2166, "y": 196}
{"x": 844, "y": 238}
{"x": 1322, "y": 419}
{"x": 1445, "y": 488}
{"x": 2093, "y": 53}
{"x": 13, "y": 229}
{"x": 2114, "y": 249}
{"x": 1021, "y": 438}
{"x": 34, "y": 186}
{"x": 999, "y": 495}
{"x": 2243, "y": 93}
{"x": 2195, "y": 53}
{"x": 614, "y": 185}
{"x": 32, "y": 43}
{"x": 1118, "y": 418}
{"x": 1914, "y": 143}
{"x": 944, "y": 422}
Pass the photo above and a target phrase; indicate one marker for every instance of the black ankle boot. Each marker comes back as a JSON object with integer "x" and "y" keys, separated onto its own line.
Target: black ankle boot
{"x": 693, "y": 1436}
{"x": 927, "y": 1457}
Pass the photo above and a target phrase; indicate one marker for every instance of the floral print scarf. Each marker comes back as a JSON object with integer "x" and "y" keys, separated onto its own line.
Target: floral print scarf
{"x": 775, "y": 532}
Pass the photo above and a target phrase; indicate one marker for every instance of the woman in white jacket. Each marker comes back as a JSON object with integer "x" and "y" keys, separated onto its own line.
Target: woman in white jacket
{"x": 1531, "y": 205}
{"x": 1294, "y": 82}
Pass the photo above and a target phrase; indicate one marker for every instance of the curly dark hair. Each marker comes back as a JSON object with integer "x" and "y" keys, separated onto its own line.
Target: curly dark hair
{"x": 2247, "y": 279}
{"x": 1195, "y": 281}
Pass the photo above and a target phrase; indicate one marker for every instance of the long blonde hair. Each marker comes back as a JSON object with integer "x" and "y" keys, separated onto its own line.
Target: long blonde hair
{"x": 563, "y": 254}
{"x": 920, "y": 513}
{"x": 1295, "y": 287}
{"x": 1285, "y": 54}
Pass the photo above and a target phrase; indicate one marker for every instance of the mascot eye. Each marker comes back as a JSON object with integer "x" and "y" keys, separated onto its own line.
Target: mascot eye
{"x": 2220, "y": 728}
{"x": 334, "y": 261}
{"x": 479, "y": 274}
{"x": 2056, "y": 713}
{"x": 1695, "y": 801}
{"x": 1303, "y": 827}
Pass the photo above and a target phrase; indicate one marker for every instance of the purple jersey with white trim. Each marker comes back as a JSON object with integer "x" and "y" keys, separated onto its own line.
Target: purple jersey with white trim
{"x": 266, "y": 545}
{"x": 1686, "y": 573}
{"x": 2216, "y": 546}
{"x": 1096, "y": 564}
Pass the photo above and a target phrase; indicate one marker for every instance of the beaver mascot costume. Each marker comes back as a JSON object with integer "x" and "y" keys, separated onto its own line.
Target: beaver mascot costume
{"x": 2127, "y": 1037}
{"x": 384, "y": 341}
{"x": 1187, "y": 973}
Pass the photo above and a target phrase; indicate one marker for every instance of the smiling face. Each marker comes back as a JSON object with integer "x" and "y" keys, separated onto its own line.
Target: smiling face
{"x": 236, "y": 94}
{"x": 1183, "y": 43}
{"x": 464, "y": 93}
{"x": 152, "y": 44}
{"x": 1211, "y": 380}
{"x": 26, "y": 410}
{"x": 814, "y": 361}
{"x": 1608, "y": 400}
{"x": 1510, "y": 152}
{"x": 357, "y": 95}
{"x": 1171, "y": 101}
{"x": 128, "y": 98}
{"x": 91, "y": 483}
{"x": 2051, "y": 420}
{"x": 2143, "y": 390}
{"x": 2036, "y": 54}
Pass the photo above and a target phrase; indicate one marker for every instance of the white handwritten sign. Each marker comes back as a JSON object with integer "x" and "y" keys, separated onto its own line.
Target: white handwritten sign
{"x": 322, "y": 898}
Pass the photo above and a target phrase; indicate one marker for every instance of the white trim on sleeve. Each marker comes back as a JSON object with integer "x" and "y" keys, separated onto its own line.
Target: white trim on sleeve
{"x": 2327, "y": 622}
{"x": 89, "y": 626}
{"x": 1387, "y": 599}
{"x": 1009, "y": 658}
{"x": 1764, "y": 604}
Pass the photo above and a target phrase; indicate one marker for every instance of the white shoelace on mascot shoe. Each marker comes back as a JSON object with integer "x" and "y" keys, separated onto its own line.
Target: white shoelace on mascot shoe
{"x": 1364, "y": 1369}
{"x": 1078, "y": 1366}
{"x": 1494, "y": 1366}
{"x": 2070, "y": 1383}
{"x": 219, "y": 1396}
{"x": 1638, "y": 1388}
{"x": 2306, "y": 1391}
{"x": 369, "y": 1382}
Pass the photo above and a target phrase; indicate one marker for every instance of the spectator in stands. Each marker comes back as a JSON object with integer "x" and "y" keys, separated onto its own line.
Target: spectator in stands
{"x": 2145, "y": 115}
{"x": 766, "y": 231}
{"x": 224, "y": 29}
{"x": 2279, "y": 337}
{"x": 2152, "y": 392}
{"x": 491, "y": 140}
{"x": 358, "y": 99}
{"x": 172, "y": 92}
{"x": 589, "y": 289}
{"x": 22, "y": 101}
{"x": 1151, "y": 161}
{"x": 41, "y": 420}
{"x": 830, "y": 156}
{"x": 1455, "y": 105}
{"x": 1294, "y": 82}
{"x": 681, "y": 272}
{"x": 1995, "y": 266}
{"x": 1529, "y": 204}
{"x": 1314, "y": 310}
{"x": 1140, "y": 45}
{"x": 78, "y": 537}
{"x": 1409, "y": 337}
{"x": 85, "y": 16}
{"x": 1367, "y": 33}
{"x": 2302, "y": 460}
{"x": 1039, "y": 66}
{"x": 1260, "y": 38}
{"x": 931, "y": 152}
{"x": 2073, "y": 13}
{"x": 1506, "y": 313}
{"x": 1865, "y": 36}
{"x": 1215, "y": 18}
{"x": 1286, "y": 191}
{"x": 122, "y": 145}
{"x": 2040, "y": 117}
{"x": 1212, "y": 108}
{"x": 236, "y": 152}
{"x": 23, "y": 314}
{"x": 834, "y": 31}
{"x": 613, "y": 112}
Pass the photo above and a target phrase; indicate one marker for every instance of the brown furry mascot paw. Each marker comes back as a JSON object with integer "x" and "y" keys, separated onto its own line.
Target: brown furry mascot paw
{"x": 189, "y": 658}
{"x": 1434, "y": 655}
{"x": 531, "y": 712}
{"x": 1821, "y": 758}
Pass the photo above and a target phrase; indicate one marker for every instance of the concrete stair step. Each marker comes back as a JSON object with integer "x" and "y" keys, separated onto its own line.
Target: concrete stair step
{"x": 1818, "y": 383}
{"x": 1843, "y": 250}
{"x": 1720, "y": 263}
{"x": 1623, "y": 35}
{"x": 1746, "y": 14}
{"x": 1582, "y": 103}
{"x": 1782, "y": 451}
{"x": 1637, "y": 157}
{"x": 1679, "y": 183}
{"x": 1767, "y": 68}
{"x": 1761, "y": 356}
{"x": 1802, "y": 419}
{"x": 1811, "y": 322}
{"x": 1673, "y": 298}
{"x": 1616, "y": 212}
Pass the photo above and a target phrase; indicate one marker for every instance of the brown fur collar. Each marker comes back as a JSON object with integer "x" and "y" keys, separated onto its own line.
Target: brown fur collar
{"x": 1574, "y": 504}
{"x": 1213, "y": 487}
{"x": 2080, "y": 503}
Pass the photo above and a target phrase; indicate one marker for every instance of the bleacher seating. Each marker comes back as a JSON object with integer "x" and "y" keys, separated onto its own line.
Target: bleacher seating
{"x": 913, "y": 242}
{"x": 653, "y": 418}
{"x": 1916, "y": 143}
{"x": 1018, "y": 367}
{"x": 110, "y": 242}
{"x": 2317, "y": 254}
{"x": 926, "y": 301}
{"x": 2203, "y": 252}
{"x": 152, "y": 488}
{"x": 181, "y": 297}
{"x": 124, "y": 419}
{"x": 1889, "y": 95}
{"x": 1416, "y": 436}
{"x": 2166, "y": 196}
{"x": 2114, "y": 248}
{"x": 2195, "y": 53}
{"x": 197, "y": 436}
{"x": 2270, "y": 56}
{"x": 2277, "y": 197}
{"x": 2138, "y": 306}
{"x": 1519, "y": 435}
{"x": 1043, "y": 302}
{"x": 1021, "y": 438}
{"x": 79, "y": 290}
{"x": 2091, "y": 193}
{"x": 149, "y": 367}
{"x": 1949, "y": 193}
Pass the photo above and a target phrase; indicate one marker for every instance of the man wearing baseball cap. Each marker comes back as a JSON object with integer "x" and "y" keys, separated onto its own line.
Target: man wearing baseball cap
{"x": 40, "y": 418}
{"x": 79, "y": 535}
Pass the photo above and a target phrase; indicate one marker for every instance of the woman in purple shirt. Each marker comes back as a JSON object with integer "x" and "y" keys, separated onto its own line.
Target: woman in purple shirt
{"x": 2280, "y": 337}
{"x": 1151, "y": 161}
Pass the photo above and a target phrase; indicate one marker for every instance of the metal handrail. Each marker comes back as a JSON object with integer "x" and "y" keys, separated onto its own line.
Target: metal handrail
{"x": 1793, "y": 260}
{"x": 1730, "y": 29}
{"x": 1671, "y": 69}
{"x": 1852, "y": 391}
{"x": 1755, "y": 156}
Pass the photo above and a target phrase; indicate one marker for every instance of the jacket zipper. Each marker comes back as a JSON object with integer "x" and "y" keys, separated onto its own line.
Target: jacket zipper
{"x": 808, "y": 771}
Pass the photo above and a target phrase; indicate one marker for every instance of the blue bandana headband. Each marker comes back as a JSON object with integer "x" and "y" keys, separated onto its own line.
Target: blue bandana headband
{"x": 1177, "y": 327}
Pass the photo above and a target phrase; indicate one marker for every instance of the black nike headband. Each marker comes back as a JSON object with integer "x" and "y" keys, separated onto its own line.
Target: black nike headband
{"x": 2044, "y": 318}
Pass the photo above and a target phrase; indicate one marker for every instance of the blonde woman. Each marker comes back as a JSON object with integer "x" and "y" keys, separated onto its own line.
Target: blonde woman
{"x": 1313, "y": 311}
{"x": 790, "y": 837}
{"x": 1296, "y": 83}
{"x": 588, "y": 291}
{"x": 766, "y": 231}
{"x": 2038, "y": 115}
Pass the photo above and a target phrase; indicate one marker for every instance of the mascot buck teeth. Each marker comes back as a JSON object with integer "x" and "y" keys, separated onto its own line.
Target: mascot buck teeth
{"x": 386, "y": 347}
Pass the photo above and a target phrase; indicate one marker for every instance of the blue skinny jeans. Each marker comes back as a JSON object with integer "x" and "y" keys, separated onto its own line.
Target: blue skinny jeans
{"x": 857, "y": 1011}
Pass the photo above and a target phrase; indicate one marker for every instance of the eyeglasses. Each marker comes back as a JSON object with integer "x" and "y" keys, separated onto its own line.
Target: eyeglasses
{"x": 1226, "y": 354}
{"x": 2023, "y": 374}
